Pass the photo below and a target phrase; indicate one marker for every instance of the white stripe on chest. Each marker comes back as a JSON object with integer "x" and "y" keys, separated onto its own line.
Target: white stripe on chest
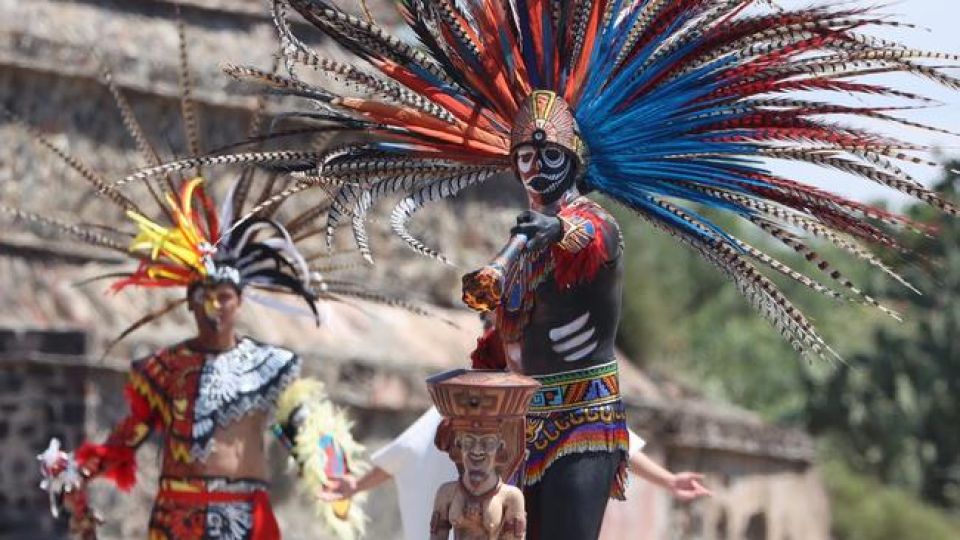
{"x": 574, "y": 340}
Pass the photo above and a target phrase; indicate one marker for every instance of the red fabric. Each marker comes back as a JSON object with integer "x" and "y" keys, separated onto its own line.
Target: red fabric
{"x": 581, "y": 267}
{"x": 265, "y": 525}
{"x": 117, "y": 463}
{"x": 168, "y": 377}
{"x": 117, "y": 459}
{"x": 139, "y": 406}
{"x": 489, "y": 353}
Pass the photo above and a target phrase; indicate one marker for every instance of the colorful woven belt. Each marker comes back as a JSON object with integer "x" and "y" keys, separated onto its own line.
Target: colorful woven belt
{"x": 211, "y": 484}
{"x": 596, "y": 385}
{"x": 593, "y": 428}
{"x": 195, "y": 508}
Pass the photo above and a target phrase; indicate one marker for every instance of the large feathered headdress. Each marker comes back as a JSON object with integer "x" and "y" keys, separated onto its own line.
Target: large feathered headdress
{"x": 679, "y": 104}
{"x": 198, "y": 248}
{"x": 188, "y": 240}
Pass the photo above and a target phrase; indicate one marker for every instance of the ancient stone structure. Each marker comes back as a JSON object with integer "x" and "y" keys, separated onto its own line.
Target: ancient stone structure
{"x": 53, "y": 380}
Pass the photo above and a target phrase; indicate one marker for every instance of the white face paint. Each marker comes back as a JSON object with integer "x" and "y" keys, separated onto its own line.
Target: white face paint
{"x": 526, "y": 156}
{"x": 546, "y": 172}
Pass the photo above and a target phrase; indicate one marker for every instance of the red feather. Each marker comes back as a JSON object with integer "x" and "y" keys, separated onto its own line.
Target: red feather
{"x": 117, "y": 463}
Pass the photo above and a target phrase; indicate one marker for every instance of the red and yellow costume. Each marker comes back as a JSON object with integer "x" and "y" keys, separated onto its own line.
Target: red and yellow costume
{"x": 178, "y": 238}
{"x": 202, "y": 508}
{"x": 187, "y": 395}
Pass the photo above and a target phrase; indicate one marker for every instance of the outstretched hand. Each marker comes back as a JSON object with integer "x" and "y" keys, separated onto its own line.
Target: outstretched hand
{"x": 337, "y": 489}
{"x": 686, "y": 487}
{"x": 541, "y": 229}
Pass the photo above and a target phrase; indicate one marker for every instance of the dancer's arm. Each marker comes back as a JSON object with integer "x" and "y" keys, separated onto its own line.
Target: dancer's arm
{"x": 684, "y": 486}
{"x": 348, "y": 485}
{"x": 390, "y": 459}
{"x": 115, "y": 458}
{"x": 65, "y": 476}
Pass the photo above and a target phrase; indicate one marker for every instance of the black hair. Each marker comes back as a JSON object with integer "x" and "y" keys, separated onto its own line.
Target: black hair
{"x": 196, "y": 284}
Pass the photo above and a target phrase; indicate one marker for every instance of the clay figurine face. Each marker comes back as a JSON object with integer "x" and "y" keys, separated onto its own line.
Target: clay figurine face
{"x": 547, "y": 171}
{"x": 479, "y": 454}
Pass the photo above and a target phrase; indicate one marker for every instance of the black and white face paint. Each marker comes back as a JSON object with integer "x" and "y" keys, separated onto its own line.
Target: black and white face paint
{"x": 547, "y": 171}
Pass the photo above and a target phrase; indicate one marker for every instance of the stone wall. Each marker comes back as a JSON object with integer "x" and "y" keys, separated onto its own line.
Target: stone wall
{"x": 41, "y": 396}
{"x": 754, "y": 498}
{"x": 764, "y": 483}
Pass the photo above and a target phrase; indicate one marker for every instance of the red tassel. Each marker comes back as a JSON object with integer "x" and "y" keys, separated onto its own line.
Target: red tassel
{"x": 117, "y": 463}
{"x": 489, "y": 352}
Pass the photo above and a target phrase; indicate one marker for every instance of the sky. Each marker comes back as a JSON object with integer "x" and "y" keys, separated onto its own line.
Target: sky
{"x": 939, "y": 30}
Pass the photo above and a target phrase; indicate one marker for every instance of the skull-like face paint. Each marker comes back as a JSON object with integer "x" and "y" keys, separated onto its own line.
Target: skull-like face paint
{"x": 546, "y": 171}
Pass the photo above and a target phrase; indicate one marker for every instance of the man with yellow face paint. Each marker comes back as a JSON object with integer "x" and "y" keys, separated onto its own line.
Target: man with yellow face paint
{"x": 214, "y": 395}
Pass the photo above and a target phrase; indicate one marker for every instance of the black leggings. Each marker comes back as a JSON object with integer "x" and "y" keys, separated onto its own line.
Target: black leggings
{"x": 568, "y": 503}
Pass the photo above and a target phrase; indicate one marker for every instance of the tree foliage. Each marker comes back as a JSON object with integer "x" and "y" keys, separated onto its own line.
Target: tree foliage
{"x": 895, "y": 413}
{"x": 891, "y": 411}
{"x": 684, "y": 318}
{"x": 865, "y": 509}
